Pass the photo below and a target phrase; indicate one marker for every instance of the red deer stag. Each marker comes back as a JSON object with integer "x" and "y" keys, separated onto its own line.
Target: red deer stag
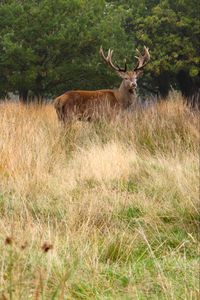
{"x": 82, "y": 103}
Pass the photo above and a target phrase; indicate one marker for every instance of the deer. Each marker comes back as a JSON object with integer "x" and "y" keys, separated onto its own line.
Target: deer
{"x": 83, "y": 103}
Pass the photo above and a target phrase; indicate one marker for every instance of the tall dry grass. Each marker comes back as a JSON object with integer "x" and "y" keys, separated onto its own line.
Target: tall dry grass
{"x": 100, "y": 210}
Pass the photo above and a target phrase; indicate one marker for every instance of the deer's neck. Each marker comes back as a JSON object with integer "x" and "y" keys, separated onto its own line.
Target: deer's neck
{"x": 127, "y": 97}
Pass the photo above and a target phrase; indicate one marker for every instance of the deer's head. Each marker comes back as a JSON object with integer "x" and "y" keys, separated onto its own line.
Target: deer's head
{"x": 129, "y": 77}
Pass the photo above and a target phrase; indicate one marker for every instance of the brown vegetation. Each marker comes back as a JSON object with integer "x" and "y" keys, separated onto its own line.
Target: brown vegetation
{"x": 115, "y": 201}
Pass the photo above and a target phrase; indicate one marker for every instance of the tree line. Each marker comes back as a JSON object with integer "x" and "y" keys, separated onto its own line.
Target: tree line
{"x": 51, "y": 46}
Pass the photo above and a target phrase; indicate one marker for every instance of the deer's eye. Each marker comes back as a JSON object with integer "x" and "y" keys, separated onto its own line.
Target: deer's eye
{"x": 126, "y": 78}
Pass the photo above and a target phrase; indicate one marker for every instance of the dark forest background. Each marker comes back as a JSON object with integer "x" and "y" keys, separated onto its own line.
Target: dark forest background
{"x": 50, "y": 46}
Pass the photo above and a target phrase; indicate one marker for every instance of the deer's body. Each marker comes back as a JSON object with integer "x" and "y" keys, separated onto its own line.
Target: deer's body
{"x": 84, "y": 104}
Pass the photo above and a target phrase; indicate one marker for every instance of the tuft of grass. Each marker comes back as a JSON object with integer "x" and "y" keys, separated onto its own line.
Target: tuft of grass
{"x": 106, "y": 209}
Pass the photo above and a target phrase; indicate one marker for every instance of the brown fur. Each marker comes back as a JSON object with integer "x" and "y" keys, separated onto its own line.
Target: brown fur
{"x": 84, "y": 104}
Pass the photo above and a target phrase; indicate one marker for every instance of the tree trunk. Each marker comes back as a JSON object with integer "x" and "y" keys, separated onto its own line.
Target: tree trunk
{"x": 23, "y": 96}
{"x": 164, "y": 84}
{"x": 189, "y": 87}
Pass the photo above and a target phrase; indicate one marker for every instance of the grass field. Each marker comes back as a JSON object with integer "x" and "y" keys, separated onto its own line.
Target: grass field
{"x": 100, "y": 210}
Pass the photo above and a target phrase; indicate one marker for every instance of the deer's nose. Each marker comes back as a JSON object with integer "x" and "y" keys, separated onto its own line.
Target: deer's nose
{"x": 133, "y": 84}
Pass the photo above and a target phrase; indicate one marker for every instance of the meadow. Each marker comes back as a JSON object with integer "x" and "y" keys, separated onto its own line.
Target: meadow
{"x": 99, "y": 210}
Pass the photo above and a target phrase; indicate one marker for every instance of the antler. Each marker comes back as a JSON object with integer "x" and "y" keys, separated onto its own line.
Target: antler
{"x": 142, "y": 59}
{"x": 108, "y": 60}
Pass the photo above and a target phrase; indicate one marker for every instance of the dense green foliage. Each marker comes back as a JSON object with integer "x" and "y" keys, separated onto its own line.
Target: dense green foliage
{"x": 49, "y": 46}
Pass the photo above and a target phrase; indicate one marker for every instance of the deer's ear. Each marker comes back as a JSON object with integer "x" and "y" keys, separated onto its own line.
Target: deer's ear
{"x": 121, "y": 74}
{"x": 139, "y": 73}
